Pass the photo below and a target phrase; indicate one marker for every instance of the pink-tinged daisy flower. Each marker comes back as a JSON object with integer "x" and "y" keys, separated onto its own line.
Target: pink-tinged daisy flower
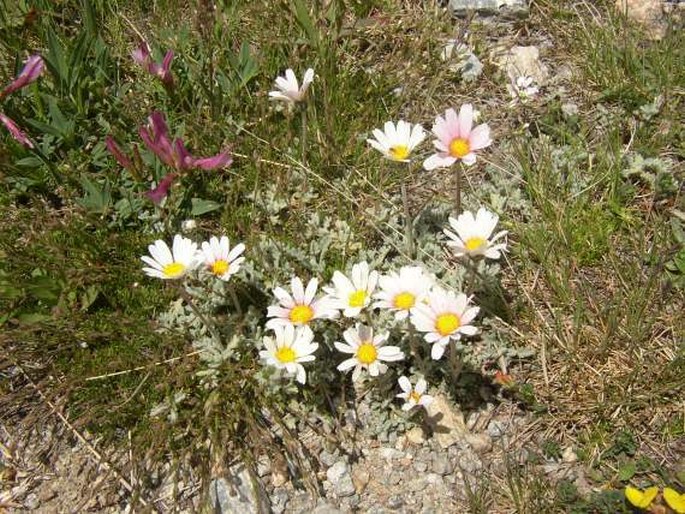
{"x": 174, "y": 263}
{"x": 457, "y": 139}
{"x": 473, "y": 235}
{"x": 446, "y": 316}
{"x": 397, "y": 142}
{"x": 219, "y": 259}
{"x": 14, "y": 130}
{"x": 288, "y": 88}
{"x": 413, "y": 396}
{"x": 353, "y": 295}
{"x": 291, "y": 347}
{"x": 401, "y": 292}
{"x": 300, "y": 308}
{"x": 32, "y": 69}
{"x": 368, "y": 352}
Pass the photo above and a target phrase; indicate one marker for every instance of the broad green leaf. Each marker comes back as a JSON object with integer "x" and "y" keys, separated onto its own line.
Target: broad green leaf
{"x": 200, "y": 206}
{"x": 627, "y": 471}
{"x": 305, "y": 21}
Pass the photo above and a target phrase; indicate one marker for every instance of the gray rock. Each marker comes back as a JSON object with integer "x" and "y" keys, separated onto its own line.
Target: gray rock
{"x": 327, "y": 458}
{"x": 360, "y": 478}
{"x": 279, "y": 501}
{"x": 469, "y": 461}
{"x": 325, "y": 508}
{"x": 481, "y": 443}
{"x": 497, "y": 429}
{"x": 394, "y": 478}
{"x": 353, "y": 501}
{"x": 650, "y": 13}
{"x": 420, "y": 466}
{"x": 569, "y": 455}
{"x": 395, "y": 502}
{"x": 524, "y": 61}
{"x": 569, "y": 110}
{"x": 505, "y": 8}
{"x": 442, "y": 465}
{"x": 472, "y": 68}
{"x": 415, "y": 436}
{"x": 391, "y": 453}
{"x": 340, "y": 479}
{"x": 447, "y": 422}
{"x": 32, "y": 502}
{"x": 238, "y": 493}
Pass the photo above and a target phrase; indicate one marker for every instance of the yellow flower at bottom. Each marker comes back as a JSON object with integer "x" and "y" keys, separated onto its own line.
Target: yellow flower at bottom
{"x": 674, "y": 500}
{"x": 641, "y": 499}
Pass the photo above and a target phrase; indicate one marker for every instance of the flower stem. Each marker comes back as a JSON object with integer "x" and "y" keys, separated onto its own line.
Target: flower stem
{"x": 303, "y": 142}
{"x": 414, "y": 347}
{"x": 408, "y": 222}
{"x": 234, "y": 299}
{"x": 210, "y": 326}
{"x": 457, "y": 190}
{"x": 455, "y": 363}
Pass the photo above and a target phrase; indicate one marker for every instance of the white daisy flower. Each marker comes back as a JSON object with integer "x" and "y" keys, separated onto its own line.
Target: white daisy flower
{"x": 523, "y": 89}
{"x": 174, "y": 263}
{"x": 368, "y": 351}
{"x": 290, "y": 349}
{"x": 400, "y": 292}
{"x": 351, "y": 296}
{"x": 289, "y": 90}
{"x": 413, "y": 396}
{"x": 299, "y": 308}
{"x": 397, "y": 143}
{"x": 446, "y": 316}
{"x": 473, "y": 235}
{"x": 219, "y": 259}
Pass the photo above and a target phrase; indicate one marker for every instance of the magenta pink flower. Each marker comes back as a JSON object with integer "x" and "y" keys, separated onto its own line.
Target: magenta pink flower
{"x": 457, "y": 139}
{"x": 174, "y": 153}
{"x": 30, "y": 72}
{"x": 15, "y": 131}
{"x": 159, "y": 193}
{"x": 120, "y": 157}
{"x": 143, "y": 57}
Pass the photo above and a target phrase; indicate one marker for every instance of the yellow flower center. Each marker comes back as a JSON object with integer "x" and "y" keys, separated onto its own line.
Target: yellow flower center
{"x": 447, "y": 323}
{"x": 399, "y": 152}
{"x": 459, "y": 148}
{"x": 414, "y": 396}
{"x": 404, "y": 301}
{"x": 367, "y": 353}
{"x": 220, "y": 267}
{"x": 301, "y": 314}
{"x": 357, "y": 298}
{"x": 174, "y": 269}
{"x": 286, "y": 354}
{"x": 474, "y": 243}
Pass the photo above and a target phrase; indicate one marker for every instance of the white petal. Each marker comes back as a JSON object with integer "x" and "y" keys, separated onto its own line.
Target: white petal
{"x": 404, "y": 384}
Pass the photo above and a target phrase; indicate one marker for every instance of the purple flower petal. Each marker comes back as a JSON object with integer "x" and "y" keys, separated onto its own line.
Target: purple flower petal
{"x": 31, "y": 71}
{"x": 182, "y": 157}
{"x": 162, "y": 190}
{"x": 116, "y": 152}
{"x": 164, "y": 72}
{"x": 156, "y": 137}
{"x": 141, "y": 54}
{"x": 218, "y": 161}
{"x": 15, "y": 131}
